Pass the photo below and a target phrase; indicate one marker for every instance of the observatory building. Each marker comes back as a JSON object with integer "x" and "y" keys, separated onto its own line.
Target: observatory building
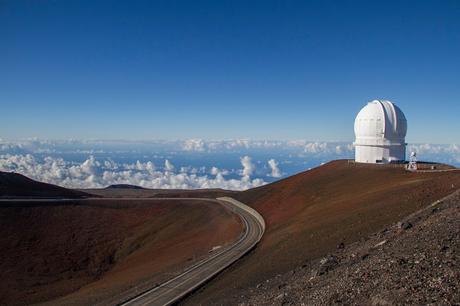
{"x": 380, "y": 130}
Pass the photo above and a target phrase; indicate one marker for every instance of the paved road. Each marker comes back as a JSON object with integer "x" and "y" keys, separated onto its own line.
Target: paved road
{"x": 177, "y": 287}
{"x": 436, "y": 170}
{"x": 197, "y": 274}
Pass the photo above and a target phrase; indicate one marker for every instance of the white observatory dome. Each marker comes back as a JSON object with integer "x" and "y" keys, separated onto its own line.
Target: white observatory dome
{"x": 380, "y": 130}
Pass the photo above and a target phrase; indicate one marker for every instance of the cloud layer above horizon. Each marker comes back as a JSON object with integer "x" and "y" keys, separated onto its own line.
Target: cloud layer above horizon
{"x": 93, "y": 173}
{"x": 189, "y": 164}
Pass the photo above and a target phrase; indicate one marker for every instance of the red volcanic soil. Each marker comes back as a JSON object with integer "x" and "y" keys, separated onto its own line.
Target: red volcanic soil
{"x": 13, "y": 185}
{"x": 309, "y": 214}
{"x": 98, "y": 250}
{"x": 127, "y": 191}
{"x": 413, "y": 262}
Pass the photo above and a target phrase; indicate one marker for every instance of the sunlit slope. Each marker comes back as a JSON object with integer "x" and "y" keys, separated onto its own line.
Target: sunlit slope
{"x": 309, "y": 214}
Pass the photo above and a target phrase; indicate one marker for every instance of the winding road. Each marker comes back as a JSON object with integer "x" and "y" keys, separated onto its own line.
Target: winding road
{"x": 196, "y": 275}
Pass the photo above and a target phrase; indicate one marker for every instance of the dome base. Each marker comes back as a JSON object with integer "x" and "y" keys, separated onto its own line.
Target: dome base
{"x": 380, "y": 154}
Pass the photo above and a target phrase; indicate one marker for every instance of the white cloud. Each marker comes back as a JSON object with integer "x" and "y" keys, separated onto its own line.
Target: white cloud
{"x": 92, "y": 173}
{"x": 134, "y": 161}
{"x": 194, "y": 145}
{"x": 169, "y": 166}
{"x": 242, "y": 146}
{"x": 275, "y": 171}
{"x": 338, "y": 150}
{"x": 248, "y": 166}
{"x": 316, "y": 147}
{"x": 435, "y": 149}
{"x": 215, "y": 171}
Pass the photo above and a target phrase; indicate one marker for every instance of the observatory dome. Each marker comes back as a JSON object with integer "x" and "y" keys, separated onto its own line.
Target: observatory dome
{"x": 380, "y": 130}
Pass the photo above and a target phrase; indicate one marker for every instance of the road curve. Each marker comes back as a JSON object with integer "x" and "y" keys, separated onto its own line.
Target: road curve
{"x": 435, "y": 170}
{"x": 196, "y": 275}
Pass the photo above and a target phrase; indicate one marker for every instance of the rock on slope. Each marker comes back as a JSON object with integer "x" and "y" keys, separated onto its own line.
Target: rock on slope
{"x": 416, "y": 261}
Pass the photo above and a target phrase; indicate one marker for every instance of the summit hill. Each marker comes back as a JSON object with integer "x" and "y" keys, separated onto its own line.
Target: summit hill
{"x": 309, "y": 214}
{"x": 14, "y": 185}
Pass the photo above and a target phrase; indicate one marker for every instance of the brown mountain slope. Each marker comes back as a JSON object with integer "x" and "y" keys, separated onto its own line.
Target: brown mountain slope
{"x": 309, "y": 214}
{"x": 14, "y": 185}
{"x": 140, "y": 192}
{"x": 94, "y": 250}
{"x": 413, "y": 262}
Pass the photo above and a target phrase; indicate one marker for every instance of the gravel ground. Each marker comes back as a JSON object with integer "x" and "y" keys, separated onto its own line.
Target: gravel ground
{"x": 416, "y": 261}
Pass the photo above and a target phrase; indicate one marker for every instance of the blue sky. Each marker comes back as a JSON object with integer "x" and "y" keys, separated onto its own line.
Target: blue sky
{"x": 226, "y": 69}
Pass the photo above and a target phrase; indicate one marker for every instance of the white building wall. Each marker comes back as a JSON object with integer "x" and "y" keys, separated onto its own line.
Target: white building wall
{"x": 380, "y": 154}
{"x": 371, "y": 154}
{"x": 398, "y": 153}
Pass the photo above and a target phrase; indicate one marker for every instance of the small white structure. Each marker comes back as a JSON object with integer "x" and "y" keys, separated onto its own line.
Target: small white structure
{"x": 380, "y": 130}
{"x": 412, "y": 166}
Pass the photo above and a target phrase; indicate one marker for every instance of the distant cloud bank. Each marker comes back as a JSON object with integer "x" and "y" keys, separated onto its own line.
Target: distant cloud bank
{"x": 189, "y": 145}
{"x": 189, "y": 164}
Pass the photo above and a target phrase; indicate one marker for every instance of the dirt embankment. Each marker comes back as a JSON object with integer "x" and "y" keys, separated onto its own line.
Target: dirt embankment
{"x": 309, "y": 214}
{"x": 97, "y": 250}
{"x": 413, "y": 262}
